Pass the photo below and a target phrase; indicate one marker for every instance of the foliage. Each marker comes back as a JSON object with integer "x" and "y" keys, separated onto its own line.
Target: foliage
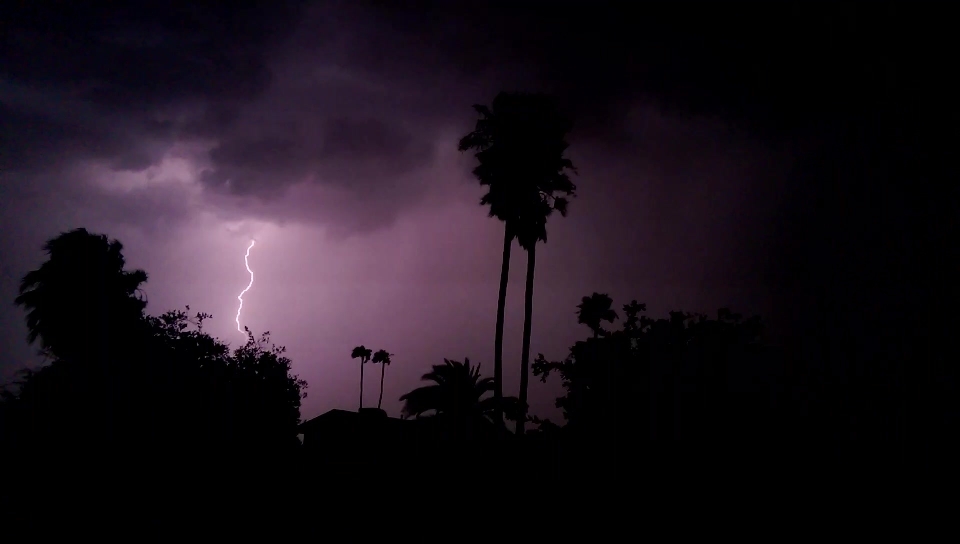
{"x": 519, "y": 143}
{"x": 361, "y": 352}
{"x": 79, "y": 294}
{"x": 457, "y": 397}
{"x": 595, "y": 309}
{"x": 679, "y": 377}
{"x": 150, "y": 381}
{"x": 381, "y": 357}
{"x": 181, "y": 388}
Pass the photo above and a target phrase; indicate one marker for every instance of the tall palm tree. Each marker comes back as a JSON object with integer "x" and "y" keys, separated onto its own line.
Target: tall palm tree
{"x": 594, "y": 309}
{"x": 546, "y": 188}
{"x": 81, "y": 295}
{"x": 382, "y": 358}
{"x": 521, "y": 164}
{"x": 484, "y": 139}
{"x": 457, "y": 397}
{"x": 363, "y": 353}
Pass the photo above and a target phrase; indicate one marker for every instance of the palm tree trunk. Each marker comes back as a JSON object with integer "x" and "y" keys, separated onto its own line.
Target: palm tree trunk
{"x": 361, "y": 385}
{"x": 498, "y": 342}
{"x": 527, "y": 324}
{"x": 383, "y": 370}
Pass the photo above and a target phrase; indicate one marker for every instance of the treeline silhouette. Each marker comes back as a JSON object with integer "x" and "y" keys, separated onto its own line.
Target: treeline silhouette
{"x": 116, "y": 377}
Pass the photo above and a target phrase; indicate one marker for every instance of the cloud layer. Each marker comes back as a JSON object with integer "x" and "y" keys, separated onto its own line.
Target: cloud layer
{"x": 328, "y": 131}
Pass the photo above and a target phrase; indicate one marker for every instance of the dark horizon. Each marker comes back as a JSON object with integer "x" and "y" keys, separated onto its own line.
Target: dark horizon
{"x": 786, "y": 160}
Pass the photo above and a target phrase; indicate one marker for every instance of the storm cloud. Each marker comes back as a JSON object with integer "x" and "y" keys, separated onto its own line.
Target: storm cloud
{"x": 328, "y": 131}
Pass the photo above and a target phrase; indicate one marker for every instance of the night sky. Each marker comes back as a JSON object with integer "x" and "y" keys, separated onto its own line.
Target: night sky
{"x": 779, "y": 160}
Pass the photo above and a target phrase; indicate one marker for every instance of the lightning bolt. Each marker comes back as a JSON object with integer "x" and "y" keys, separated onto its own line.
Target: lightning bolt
{"x": 246, "y": 263}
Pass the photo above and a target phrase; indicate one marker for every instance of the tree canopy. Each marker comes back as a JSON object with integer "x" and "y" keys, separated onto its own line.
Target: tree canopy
{"x": 121, "y": 377}
{"x": 457, "y": 397}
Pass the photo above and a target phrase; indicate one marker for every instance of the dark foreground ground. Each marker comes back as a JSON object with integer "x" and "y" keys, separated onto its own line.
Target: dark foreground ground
{"x": 449, "y": 487}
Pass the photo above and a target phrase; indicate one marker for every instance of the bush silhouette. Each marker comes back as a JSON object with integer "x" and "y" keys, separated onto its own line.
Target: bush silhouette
{"x": 120, "y": 377}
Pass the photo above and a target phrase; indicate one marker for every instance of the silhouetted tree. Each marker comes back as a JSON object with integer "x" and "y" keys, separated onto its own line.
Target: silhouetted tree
{"x": 457, "y": 397}
{"x": 266, "y": 395}
{"x": 382, "y": 358}
{"x": 362, "y": 353}
{"x": 594, "y": 309}
{"x": 484, "y": 139}
{"x": 159, "y": 382}
{"x": 632, "y": 312}
{"x": 81, "y": 295}
{"x": 540, "y": 131}
{"x": 181, "y": 388}
{"x": 247, "y": 398}
{"x": 686, "y": 376}
{"x": 520, "y": 142}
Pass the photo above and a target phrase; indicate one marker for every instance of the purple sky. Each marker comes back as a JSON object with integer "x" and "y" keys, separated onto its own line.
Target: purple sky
{"x": 329, "y": 134}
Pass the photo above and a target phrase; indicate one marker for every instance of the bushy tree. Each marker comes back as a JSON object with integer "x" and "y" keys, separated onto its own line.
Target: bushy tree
{"x": 81, "y": 299}
{"x": 125, "y": 379}
{"x": 686, "y": 376}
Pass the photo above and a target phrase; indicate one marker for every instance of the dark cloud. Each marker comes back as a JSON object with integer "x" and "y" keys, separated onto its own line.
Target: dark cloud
{"x": 278, "y": 95}
{"x": 706, "y": 176}
{"x": 779, "y": 67}
{"x": 351, "y": 96}
{"x": 360, "y": 154}
{"x": 119, "y": 82}
{"x": 162, "y": 60}
{"x": 133, "y": 54}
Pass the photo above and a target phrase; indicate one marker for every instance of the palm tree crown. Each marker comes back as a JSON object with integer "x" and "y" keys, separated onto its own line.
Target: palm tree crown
{"x": 520, "y": 143}
{"x": 457, "y": 394}
{"x": 363, "y": 353}
{"x": 381, "y": 357}
{"x": 80, "y": 293}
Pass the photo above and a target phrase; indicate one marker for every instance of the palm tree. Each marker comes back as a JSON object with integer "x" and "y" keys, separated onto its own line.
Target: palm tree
{"x": 484, "y": 139}
{"x": 457, "y": 397}
{"x": 594, "y": 309}
{"x": 361, "y": 352}
{"x": 546, "y": 187}
{"x": 519, "y": 144}
{"x": 80, "y": 295}
{"x": 382, "y": 358}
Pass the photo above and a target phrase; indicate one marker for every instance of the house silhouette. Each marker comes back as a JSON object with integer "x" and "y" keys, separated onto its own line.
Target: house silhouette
{"x": 370, "y": 438}
{"x": 346, "y": 436}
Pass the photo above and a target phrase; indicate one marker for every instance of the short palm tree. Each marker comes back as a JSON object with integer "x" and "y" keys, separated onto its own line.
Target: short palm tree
{"x": 457, "y": 396}
{"x": 362, "y": 353}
